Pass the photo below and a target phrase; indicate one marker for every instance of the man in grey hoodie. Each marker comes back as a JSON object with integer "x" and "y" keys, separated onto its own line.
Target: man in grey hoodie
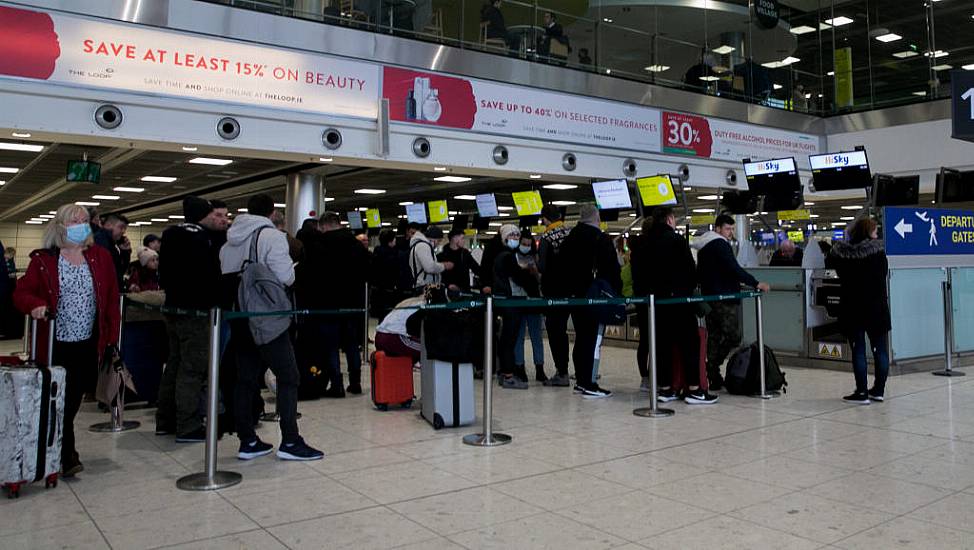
{"x": 278, "y": 354}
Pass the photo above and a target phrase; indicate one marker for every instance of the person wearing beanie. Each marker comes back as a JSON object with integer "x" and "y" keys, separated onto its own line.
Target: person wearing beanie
{"x": 511, "y": 281}
{"x": 144, "y": 275}
{"x": 459, "y": 255}
{"x": 189, "y": 272}
{"x": 587, "y": 254}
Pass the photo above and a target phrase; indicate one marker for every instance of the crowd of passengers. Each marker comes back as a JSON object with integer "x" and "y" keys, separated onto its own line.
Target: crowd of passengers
{"x": 85, "y": 262}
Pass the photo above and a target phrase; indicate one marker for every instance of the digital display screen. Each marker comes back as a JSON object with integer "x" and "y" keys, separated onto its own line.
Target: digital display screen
{"x": 955, "y": 186}
{"x": 772, "y": 175}
{"x": 837, "y": 171}
{"x": 487, "y": 205}
{"x": 896, "y": 191}
{"x": 612, "y": 194}
{"x": 416, "y": 213}
{"x": 354, "y": 219}
{"x": 656, "y": 190}
{"x": 527, "y": 203}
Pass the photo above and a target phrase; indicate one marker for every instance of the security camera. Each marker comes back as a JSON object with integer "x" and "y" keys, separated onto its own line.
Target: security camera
{"x": 684, "y": 173}
{"x": 500, "y": 155}
{"x": 108, "y": 117}
{"x": 629, "y": 168}
{"x": 228, "y": 128}
{"x": 331, "y": 139}
{"x": 422, "y": 147}
{"x": 569, "y": 162}
{"x": 731, "y": 178}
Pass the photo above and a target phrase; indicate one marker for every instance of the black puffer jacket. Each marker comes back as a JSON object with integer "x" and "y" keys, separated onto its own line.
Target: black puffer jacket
{"x": 663, "y": 265}
{"x": 862, "y": 270}
{"x": 588, "y": 253}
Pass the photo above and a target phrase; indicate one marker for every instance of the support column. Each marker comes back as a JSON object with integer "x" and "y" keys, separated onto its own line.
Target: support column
{"x": 747, "y": 256}
{"x": 305, "y": 193}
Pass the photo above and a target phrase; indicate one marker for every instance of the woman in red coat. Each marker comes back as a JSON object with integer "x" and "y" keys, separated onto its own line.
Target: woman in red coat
{"x": 73, "y": 282}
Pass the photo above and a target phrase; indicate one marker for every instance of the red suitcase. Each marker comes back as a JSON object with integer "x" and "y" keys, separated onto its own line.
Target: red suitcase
{"x": 392, "y": 381}
{"x": 678, "y": 366}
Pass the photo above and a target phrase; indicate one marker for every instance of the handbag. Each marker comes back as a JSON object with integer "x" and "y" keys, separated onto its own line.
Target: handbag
{"x": 605, "y": 314}
{"x": 112, "y": 374}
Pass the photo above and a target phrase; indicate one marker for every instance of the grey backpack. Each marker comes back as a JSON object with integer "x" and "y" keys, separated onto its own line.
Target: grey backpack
{"x": 261, "y": 292}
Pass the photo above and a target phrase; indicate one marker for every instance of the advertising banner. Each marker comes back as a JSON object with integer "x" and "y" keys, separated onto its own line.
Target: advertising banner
{"x": 515, "y": 111}
{"x": 928, "y": 231}
{"x": 66, "y": 49}
{"x": 698, "y": 136}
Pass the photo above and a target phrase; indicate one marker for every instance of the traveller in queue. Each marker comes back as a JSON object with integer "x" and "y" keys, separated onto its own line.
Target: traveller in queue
{"x": 527, "y": 258}
{"x": 459, "y": 255}
{"x": 662, "y": 266}
{"x": 553, "y": 286}
{"x": 152, "y": 241}
{"x": 74, "y": 282}
{"x": 588, "y": 254}
{"x": 787, "y": 255}
{"x": 278, "y": 354}
{"x": 384, "y": 276}
{"x": 145, "y": 275}
{"x": 189, "y": 272}
{"x": 112, "y": 238}
{"x": 423, "y": 266}
{"x": 864, "y": 305}
{"x": 398, "y": 335}
{"x": 220, "y": 222}
{"x": 510, "y": 281}
{"x": 719, "y": 273}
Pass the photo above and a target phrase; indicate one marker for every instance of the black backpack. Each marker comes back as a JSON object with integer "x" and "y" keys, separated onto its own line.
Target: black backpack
{"x": 744, "y": 375}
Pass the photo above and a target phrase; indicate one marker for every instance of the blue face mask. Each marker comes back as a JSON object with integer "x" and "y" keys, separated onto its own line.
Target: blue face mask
{"x": 78, "y": 233}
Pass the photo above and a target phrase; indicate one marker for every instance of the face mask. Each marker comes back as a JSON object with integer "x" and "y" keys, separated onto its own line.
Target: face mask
{"x": 78, "y": 233}
{"x": 513, "y": 243}
{"x": 525, "y": 249}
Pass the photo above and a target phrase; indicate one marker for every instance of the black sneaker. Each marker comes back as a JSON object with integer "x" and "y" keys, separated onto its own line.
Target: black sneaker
{"x": 875, "y": 396}
{"x": 558, "y": 380}
{"x": 196, "y": 436}
{"x": 667, "y": 395}
{"x": 595, "y": 392}
{"x": 299, "y": 450}
{"x": 354, "y": 389}
{"x": 163, "y": 430}
{"x": 700, "y": 397}
{"x": 254, "y": 449}
{"x": 539, "y": 374}
{"x": 859, "y": 398}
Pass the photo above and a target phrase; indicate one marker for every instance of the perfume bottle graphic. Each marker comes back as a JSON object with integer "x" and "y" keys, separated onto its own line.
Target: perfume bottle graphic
{"x": 431, "y": 107}
{"x": 423, "y": 102}
{"x": 411, "y": 105}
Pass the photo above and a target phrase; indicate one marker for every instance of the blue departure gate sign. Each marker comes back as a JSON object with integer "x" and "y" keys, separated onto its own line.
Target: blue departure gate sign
{"x": 928, "y": 231}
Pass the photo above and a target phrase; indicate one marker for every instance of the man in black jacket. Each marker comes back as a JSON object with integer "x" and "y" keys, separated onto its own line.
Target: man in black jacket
{"x": 333, "y": 276}
{"x": 454, "y": 252}
{"x": 112, "y": 238}
{"x": 587, "y": 251}
{"x": 662, "y": 266}
{"x": 719, "y": 273}
{"x": 556, "y": 318}
{"x": 189, "y": 271}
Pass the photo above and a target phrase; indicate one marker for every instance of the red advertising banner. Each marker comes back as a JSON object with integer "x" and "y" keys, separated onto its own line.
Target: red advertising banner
{"x": 697, "y": 136}
{"x": 686, "y": 135}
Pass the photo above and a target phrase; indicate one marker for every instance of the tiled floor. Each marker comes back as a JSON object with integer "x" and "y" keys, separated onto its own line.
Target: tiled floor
{"x": 803, "y": 471}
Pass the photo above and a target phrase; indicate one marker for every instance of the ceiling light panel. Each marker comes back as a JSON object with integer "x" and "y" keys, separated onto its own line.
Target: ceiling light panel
{"x": 158, "y": 179}
{"x": 26, "y": 147}
{"x": 210, "y": 161}
{"x": 452, "y": 179}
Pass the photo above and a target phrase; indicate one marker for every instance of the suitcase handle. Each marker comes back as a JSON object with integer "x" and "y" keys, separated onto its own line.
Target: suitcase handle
{"x": 50, "y": 339}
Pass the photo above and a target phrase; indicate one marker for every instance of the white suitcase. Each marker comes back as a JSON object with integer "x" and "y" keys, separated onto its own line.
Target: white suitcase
{"x": 448, "y": 396}
{"x": 31, "y": 423}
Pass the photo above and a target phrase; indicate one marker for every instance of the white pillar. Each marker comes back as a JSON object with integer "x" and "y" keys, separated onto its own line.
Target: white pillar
{"x": 305, "y": 194}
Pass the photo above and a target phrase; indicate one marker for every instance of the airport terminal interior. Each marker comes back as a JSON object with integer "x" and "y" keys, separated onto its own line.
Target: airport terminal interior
{"x": 823, "y": 148}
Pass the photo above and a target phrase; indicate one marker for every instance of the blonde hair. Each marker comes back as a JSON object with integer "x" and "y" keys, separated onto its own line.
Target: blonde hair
{"x": 56, "y": 233}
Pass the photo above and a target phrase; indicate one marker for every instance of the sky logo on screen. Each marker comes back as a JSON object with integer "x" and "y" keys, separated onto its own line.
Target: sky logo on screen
{"x": 840, "y": 160}
{"x": 771, "y": 166}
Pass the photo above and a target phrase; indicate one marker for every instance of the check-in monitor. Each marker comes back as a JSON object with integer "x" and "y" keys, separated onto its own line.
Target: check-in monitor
{"x": 768, "y": 176}
{"x": 838, "y": 171}
{"x": 613, "y": 194}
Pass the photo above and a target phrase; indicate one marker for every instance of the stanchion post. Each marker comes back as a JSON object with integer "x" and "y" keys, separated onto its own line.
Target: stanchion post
{"x": 117, "y": 409}
{"x": 365, "y": 330}
{"x": 488, "y": 438}
{"x": 759, "y": 315}
{"x": 948, "y": 289}
{"x": 654, "y": 410}
{"x": 211, "y": 479}
{"x": 27, "y": 337}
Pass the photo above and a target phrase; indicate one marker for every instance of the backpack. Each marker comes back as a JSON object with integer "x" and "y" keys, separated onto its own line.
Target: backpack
{"x": 416, "y": 267}
{"x": 744, "y": 375}
{"x": 261, "y": 292}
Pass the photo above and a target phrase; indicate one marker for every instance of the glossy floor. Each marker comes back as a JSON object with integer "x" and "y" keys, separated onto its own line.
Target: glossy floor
{"x": 801, "y": 471}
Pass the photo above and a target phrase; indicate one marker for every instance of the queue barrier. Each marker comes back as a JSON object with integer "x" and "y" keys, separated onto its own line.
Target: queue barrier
{"x": 212, "y": 479}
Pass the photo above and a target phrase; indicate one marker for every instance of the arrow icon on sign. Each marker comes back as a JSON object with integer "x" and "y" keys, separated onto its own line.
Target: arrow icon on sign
{"x": 903, "y": 228}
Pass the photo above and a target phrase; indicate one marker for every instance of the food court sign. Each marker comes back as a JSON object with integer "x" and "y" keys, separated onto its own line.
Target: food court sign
{"x": 928, "y": 231}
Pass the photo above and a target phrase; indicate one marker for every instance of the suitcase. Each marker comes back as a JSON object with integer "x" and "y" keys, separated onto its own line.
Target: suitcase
{"x": 448, "y": 396}
{"x": 678, "y": 384}
{"x": 31, "y": 422}
{"x": 392, "y": 381}
{"x": 145, "y": 348}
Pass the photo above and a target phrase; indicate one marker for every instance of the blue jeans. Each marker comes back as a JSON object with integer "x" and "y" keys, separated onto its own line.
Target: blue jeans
{"x": 878, "y": 341}
{"x": 533, "y": 323}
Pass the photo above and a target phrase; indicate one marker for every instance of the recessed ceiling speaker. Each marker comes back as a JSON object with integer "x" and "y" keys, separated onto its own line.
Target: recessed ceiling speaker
{"x": 569, "y": 162}
{"x": 731, "y": 178}
{"x": 684, "y": 173}
{"x": 500, "y": 155}
{"x": 228, "y": 128}
{"x": 629, "y": 168}
{"x": 422, "y": 147}
{"x": 331, "y": 139}
{"x": 108, "y": 117}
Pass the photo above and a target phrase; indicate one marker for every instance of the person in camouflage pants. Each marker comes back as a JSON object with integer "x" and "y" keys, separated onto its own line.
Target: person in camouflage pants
{"x": 723, "y": 335}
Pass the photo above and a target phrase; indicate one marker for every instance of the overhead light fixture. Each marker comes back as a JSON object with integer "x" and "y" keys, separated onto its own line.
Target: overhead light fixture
{"x": 943, "y": 67}
{"x": 830, "y": 73}
{"x": 406, "y": 203}
{"x": 968, "y": 67}
{"x": 369, "y": 191}
{"x": 724, "y": 50}
{"x": 465, "y": 197}
{"x": 362, "y": 208}
{"x": 452, "y": 179}
{"x": 838, "y": 224}
{"x": 23, "y": 135}
{"x": 88, "y": 203}
{"x": 783, "y": 63}
{"x": 106, "y": 197}
{"x": 921, "y": 93}
{"x": 161, "y": 220}
{"x": 535, "y": 176}
{"x": 28, "y": 147}
{"x": 495, "y": 224}
{"x": 708, "y": 197}
{"x": 453, "y": 212}
{"x": 709, "y": 78}
{"x": 242, "y": 210}
{"x": 129, "y": 189}
{"x": 906, "y": 53}
{"x": 3, "y": 182}
{"x": 847, "y": 218}
{"x": 46, "y": 216}
{"x": 158, "y": 179}
{"x": 813, "y": 216}
{"x": 809, "y": 203}
{"x": 936, "y": 54}
{"x": 329, "y": 199}
{"x": 563, "y": 203}
{"x": 704, "y": 210}
{"x": 210, "y": 161}
{"x": 504, "y": 208}
{"x": 503, "y": 215}
{"x": 606, "y": 20}
{"x": 33, "y": 222}
{"x": 280, "y": 205}
{"x": 838, "y": 21}
{"x": 439, "y": 168}
{"x": 851, "y": 207}
{"x": 888, "y": 37}
{"x": 657, "y": 68}
{"x": 557, "y": 187}
{"x": 190, "y": 148}
{"x": 777, "y": 86}
{"x": 802, "y": 29}
{"x": 176, "y": 217}
{"x": 4, "y": 170}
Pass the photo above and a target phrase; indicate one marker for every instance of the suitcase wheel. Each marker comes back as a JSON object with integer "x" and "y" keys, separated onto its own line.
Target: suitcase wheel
{"x": 437, "y": 421}
{"x": 408, "y": 404}
{"x": 51, "y": 481}
{"x": 13, "y": 490}
{"x": 382, "y": 406}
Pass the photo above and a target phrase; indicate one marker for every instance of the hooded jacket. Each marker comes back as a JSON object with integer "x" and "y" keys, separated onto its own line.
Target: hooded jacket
{"x": 585, "y": 254}
{"x": 272, "y": 248}
{"x": 862, "y": 268}
{"x": 334, "y": 272}
{"x": 189, "y": 267}
{"x": 422, "y": 262}
{"x": 662, "y": 264}
{"x": 717, "y": 268}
